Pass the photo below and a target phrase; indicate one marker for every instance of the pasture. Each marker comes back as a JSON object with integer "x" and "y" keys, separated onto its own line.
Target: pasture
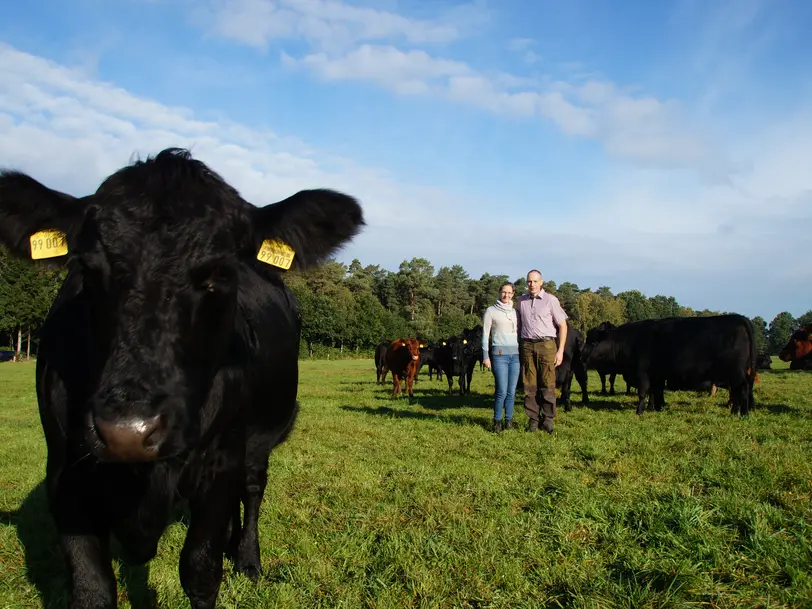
{"x": 374, "y": 502}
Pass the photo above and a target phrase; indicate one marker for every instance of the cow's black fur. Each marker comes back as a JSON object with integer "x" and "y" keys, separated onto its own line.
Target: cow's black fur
{"x": 572, "y": 365}
{"x": 684, "y": 352}
{"x": 167, "y": 365}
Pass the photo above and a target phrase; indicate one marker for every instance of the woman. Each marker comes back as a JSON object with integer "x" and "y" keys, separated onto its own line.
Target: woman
{"x": 500, "y": 320}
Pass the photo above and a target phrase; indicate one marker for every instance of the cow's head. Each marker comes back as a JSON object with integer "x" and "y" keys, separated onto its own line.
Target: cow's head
{"x": 456, "y": 351}
{"x": 164, "y": 260}
{"x": 798, "y": 346}
{"x": 594, "y": 337}
{"x": 412, "y": 345}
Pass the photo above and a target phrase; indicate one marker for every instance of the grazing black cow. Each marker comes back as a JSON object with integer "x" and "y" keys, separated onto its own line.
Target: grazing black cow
{"x": 683, "y": 352}
{"x": 168, "y": 363}
{"x": 380, "y": 361}
{"x": 764, "y": 361}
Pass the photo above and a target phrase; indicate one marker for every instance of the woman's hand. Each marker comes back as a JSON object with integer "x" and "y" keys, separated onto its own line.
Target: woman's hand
{"x": 486, "y": 363}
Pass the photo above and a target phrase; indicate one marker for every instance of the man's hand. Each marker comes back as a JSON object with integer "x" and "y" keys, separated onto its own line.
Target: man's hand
{"x": 559, "y": 357}
{"x": 486, "y": 363}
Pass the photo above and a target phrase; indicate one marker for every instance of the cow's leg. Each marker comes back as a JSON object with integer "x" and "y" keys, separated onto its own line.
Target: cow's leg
{"x": 247, "y": 560}
{"x": 84, "y": 539}
{"x": 395, "y": 384}
{"x": 642, "y": 392}
{"x": 201, "y": 560}
{"x": 658, "y": 395}
{"x": 612, "y": 378}
{"x": 566, "y": 388}
{"x": 580, "y": 375}
{"x": 603, "y": 383}
{"x": 470, "y": 377}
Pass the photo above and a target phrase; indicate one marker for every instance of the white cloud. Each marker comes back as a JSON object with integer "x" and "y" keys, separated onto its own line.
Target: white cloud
{"x": 71, "y": 132}
{"x": 349, "y": 42}
{"x": 324, "y": 24}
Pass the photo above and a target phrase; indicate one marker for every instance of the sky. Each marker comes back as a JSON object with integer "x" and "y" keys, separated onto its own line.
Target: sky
{"x": 658, "y": 146}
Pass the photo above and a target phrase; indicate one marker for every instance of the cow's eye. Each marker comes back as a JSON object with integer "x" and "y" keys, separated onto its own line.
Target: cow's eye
{"x": 214, "y": 278}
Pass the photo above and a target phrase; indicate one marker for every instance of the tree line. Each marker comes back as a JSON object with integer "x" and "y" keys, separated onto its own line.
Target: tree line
{"x": 348, "y": 309}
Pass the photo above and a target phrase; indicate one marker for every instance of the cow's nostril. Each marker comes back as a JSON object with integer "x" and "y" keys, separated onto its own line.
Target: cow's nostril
{"x": 132, "y": 439}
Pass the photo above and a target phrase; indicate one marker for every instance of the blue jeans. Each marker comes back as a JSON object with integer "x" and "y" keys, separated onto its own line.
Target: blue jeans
{"x": 506, "y": 376}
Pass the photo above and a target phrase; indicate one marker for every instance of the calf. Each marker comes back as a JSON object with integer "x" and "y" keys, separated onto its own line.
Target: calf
{"x": 402, "y": 358}
{"x": 168, "y": 363}
{"x": 684, "y": 352}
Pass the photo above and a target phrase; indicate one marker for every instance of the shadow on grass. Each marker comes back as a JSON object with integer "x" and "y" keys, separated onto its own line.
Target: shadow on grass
{"x": 439, "y": 399}
{"x": 605, "y": 405}
{"x": 778, "y": 408}
{"x": 43, "y": 558}
{"x": 456, "y": 419}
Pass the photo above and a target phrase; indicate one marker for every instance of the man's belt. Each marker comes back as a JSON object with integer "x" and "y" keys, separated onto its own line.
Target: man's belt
{"x": 543, "y": 339}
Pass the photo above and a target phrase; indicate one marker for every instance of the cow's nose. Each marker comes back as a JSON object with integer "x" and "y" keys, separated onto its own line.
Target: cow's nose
{"x": 132, "y": 439}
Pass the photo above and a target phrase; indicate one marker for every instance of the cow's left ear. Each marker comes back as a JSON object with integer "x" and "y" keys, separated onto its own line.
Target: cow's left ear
{"x": 35, "y": 221}
{"x": 306, "y": 228}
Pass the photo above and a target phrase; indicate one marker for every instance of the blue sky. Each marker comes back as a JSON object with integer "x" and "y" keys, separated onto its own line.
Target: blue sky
{"x": 660, "y": 146}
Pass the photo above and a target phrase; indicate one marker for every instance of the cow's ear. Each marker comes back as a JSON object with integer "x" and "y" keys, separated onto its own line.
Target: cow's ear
{"x": 36, "y": 222}
{"x": 306, "y": 228}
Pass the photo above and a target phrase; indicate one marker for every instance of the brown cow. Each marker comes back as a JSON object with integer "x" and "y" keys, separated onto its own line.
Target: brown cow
{"x": 402, "y": 359}
{"x": 799, "y": 347}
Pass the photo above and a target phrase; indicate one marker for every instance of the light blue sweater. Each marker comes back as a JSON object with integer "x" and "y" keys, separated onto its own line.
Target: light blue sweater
{"x": 501, "y": 322}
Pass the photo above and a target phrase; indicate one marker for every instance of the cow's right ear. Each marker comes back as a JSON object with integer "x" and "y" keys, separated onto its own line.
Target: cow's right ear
{"x": 36, "y": 222}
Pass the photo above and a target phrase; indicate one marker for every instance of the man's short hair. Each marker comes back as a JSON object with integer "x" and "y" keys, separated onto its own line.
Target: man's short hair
{"x": 536, "y": 271}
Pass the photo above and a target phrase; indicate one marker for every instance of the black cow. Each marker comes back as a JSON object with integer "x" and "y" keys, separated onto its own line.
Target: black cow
{"x": 380, "y": 361}
{"x": 450, "y": 356}
{"x": 685, "y": 352}
{"x": 764, "y": 361}
{"x": 428, "y": 357}
{"x": 473, "y": 337}
{"x": 595, "y": 335}
{"x": 168, "y": 363}
{"x": 572, "y": 364}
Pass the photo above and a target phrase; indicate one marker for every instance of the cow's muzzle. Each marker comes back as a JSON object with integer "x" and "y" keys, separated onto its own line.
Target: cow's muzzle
{"x": 131, "y": 439}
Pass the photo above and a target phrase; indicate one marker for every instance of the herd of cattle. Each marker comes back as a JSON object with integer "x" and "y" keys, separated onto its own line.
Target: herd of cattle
{"x": 678, "y": 353}
{"x": 167, "y": 368}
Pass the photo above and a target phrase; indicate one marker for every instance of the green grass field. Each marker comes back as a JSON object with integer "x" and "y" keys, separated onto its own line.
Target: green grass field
{"x": 377, "y": 503}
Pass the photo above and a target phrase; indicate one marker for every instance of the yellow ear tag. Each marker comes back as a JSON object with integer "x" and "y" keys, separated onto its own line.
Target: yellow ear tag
{"x": 464, "y": 342}
{"x": 443, "y": 343}
{"x": 276, "y": 253}
{"x": 48, "y": 244}
{"x": 421, "y": 346}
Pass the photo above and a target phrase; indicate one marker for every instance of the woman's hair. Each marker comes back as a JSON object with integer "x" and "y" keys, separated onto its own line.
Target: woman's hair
{"x": 512, "y": 287}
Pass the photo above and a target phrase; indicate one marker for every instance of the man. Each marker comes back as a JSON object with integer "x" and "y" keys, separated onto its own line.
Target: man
{"x": 538, "y": 315}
